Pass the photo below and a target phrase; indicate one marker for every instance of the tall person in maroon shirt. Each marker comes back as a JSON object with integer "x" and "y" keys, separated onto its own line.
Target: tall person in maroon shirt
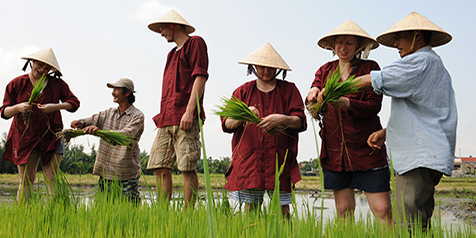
{"x": 33, "y": 140}
{"x": 348, "y": 162}
{"x": 256, "y": 146}
{"x": 178, "y": 135}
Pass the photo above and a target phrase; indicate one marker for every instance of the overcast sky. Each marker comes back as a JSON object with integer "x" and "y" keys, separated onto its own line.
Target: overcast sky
{"x": 98, "y": 41}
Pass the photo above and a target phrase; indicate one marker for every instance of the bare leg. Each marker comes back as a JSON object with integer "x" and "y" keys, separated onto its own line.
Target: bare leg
{"x": 381, "y": 206}
{"x": 27, "y": 174}
{"x": 345, "y": 202}
{"x": 163, "y": 183}
{"x": 51, "y": 169}
{"x": 251, "y": 207}
{"x": 285, "y": 211}
{"x": 190, "y": 186}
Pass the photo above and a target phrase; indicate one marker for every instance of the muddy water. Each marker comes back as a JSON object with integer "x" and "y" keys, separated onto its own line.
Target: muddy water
{"x": 306, "y": 202}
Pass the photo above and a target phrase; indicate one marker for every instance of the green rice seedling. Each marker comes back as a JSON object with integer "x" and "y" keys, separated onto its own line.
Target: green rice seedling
{"x": 111, "y": 137}
{"x": 237, "y": 110}
{"x": 321, "y": 175}
{"x": 210, "y": 201}
{"x": 333, "y": 90}
{"x": 34, "y": 95}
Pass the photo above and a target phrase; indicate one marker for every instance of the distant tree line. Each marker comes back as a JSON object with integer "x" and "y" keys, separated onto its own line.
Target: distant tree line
{"x": 76, "y": 161}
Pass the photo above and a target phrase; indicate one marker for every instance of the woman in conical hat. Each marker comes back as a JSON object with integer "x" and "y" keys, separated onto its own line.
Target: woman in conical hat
{"x": 281, "y": 108}
{"x": 421, "y": 130}
{"x": 348, "y": 162}
{"x": 32, "y": 132}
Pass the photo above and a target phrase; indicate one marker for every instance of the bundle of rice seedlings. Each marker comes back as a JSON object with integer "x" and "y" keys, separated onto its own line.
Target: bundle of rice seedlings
{"x": 236, "y": 109}
{"x": 37, "y": 89}
{"x": 333, "y": 91}
{"x": 35, "y": 94}
{"x": 111, "y": 137}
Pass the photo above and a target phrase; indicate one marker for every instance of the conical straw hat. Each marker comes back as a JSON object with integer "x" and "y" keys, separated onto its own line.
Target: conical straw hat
{"x": 266, "y": 56}
{"x": 46, "y": 56}
{"x": 415, "y": 21}
{"x": 170, "y": 17}
{"x": 347, "y": 28}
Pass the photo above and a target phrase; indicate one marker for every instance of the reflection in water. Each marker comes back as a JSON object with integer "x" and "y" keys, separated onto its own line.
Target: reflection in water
{"x": 306, "y": 202}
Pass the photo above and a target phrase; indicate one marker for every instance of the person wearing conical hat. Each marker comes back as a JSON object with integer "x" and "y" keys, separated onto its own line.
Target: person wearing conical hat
{"x": 421, "y": 130}
{"x": 116, "y": 163}
{"x": 185, "y": 75}
{"x": 32, "y": 133}
{"x": 347, "y": 161}
{"x": 255, "y": 146}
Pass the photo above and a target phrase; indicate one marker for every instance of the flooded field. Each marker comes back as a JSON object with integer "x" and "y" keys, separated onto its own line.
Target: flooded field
{"x": 303, "y": 202}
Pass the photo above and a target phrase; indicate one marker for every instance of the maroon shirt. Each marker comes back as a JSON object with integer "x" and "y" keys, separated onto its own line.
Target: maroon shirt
{"x": 180, "y": 71}
{"x": 357, "y": 124}
{"x": 41, "y": 128}
{"x": 254, "y": 151}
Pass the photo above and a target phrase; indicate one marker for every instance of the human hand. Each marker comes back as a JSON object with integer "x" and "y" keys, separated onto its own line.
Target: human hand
{"x": 90, "y": 130}
{"x": 47, "y": 108}
{"x": 320, "y": 96}
{"x": 271, "y": 122}
{"x": 312, "y": 94}
{"x": 23, "y": 107}
{"x": 377, "y": 139}
{"x": 186, "y": 121}
{"x": 255, "y": 110}
{"x": 342, "y": 102}
{"x": 76, "y": 124}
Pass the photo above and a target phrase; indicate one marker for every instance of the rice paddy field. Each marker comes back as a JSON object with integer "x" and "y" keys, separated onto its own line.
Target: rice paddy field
{"x": 108, "y": 215}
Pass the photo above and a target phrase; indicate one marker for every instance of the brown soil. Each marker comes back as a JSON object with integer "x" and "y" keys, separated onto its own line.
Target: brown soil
{"x": 463, "y": 209}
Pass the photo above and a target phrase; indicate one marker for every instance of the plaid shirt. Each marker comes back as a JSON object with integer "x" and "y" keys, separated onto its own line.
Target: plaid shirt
{"x": 118, "y": 162}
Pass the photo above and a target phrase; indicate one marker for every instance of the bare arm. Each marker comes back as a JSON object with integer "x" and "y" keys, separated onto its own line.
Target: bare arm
{"x": 13, "y": 110}
{"x": 275, "y": 120}
{"x": 187, "y": 117}
{"x": 365, "y": 83}
{"x": 51, "y": 107}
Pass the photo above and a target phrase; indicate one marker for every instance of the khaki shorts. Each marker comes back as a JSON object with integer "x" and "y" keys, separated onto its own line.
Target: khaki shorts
{"x": 174, "y": 144}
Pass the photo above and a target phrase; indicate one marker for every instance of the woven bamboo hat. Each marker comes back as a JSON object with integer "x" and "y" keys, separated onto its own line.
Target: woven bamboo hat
{"x": 349, "y": 28}
{"x": 412, "y": 22}
{"x": 46, "y": 56}
{"x": 266, "y": 56}
{"x": 170, "y": 17}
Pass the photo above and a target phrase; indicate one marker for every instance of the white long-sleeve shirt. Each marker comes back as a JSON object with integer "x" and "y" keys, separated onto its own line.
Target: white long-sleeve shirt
{"x": 421, "y": 130}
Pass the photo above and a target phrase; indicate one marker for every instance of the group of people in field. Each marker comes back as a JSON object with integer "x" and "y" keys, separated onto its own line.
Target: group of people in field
{"x": 420, "y": 134}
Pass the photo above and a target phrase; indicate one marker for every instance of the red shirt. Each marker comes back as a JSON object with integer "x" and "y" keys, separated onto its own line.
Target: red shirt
{"x": 254, "y": 151}
{"x": 357, "y": 125}
{"x": 41, "y": 128}
{"x": 182, "y": 67}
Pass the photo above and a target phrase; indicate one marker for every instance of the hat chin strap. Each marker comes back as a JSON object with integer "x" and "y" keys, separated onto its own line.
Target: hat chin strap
{"x": 413, "y": 42}
{"x": 28, "y": 62}
{"x": 252, "y": 70}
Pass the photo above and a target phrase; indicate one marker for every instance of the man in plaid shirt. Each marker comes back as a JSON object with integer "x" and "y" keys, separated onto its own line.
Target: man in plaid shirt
{"x": 121, "y": 163}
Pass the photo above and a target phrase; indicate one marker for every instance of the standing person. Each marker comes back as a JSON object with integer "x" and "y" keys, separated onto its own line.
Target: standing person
{"x": 254, "y": 146}
{"x": 121, "y": 163}
{"x": 33, "y": 138}
{"x": 178, "y": 135}
{"x": 421, "y": 131}
{"x": 347, "y": 160}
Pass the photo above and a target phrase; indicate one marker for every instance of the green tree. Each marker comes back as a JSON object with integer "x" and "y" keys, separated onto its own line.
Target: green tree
{"x": 76, "y": 161}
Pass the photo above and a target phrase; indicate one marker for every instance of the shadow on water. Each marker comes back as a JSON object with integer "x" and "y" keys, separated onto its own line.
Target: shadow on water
{"x": 304, "y": 200}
